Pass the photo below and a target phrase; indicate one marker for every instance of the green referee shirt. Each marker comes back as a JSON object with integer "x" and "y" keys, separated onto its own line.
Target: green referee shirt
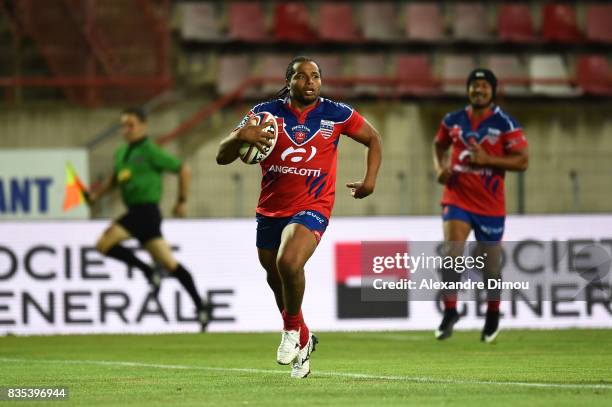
{"x": 138, "y": 171}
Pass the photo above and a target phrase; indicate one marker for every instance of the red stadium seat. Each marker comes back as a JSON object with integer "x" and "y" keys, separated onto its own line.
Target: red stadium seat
{"x": 366, "y": 67}
{"x": 274, "y": 66}
{"x": 470, "y": 22}
{"x": 423, "y": 22}
{"x": 378, "y": 21}
{"x": 336, "y": 22}
{"x": 549, "y": 75}
{"x": 200, "y": 22}
{"x": 415, "y": 75}
{"x": 331, "y": 67}
{"x": 599, "y": 23}
{"x": 292, "y": 23}
{"x": 514, "y": 23}
{"x": 559, "y": 23}
{"x": 232, "y": 71}
{"x": 593, "y": 74}
{"x": 247, "y": 22}
{"x": 510, "y": 72}
{"x": 455, "y": 70}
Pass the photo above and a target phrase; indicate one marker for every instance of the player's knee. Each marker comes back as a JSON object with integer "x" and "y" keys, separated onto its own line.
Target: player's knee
{"x": 289, "y": 264}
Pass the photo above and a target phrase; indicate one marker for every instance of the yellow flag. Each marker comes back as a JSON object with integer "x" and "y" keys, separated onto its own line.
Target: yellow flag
{"x": 75, "y": 191}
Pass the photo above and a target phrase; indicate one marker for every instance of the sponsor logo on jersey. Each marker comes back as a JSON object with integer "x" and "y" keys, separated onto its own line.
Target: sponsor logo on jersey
{"x": 296, "y": 155}
{"x": 313, "y": 215}
{"x": 491, "y": 230}
{"x": 467, "y": 169}
{"x": 465, "y": 156}
{"x": 327, "y": 128}
{"x": 304, "y": 172}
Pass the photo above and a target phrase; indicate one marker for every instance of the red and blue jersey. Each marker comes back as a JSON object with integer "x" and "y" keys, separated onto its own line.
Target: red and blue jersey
{"x": 300, "y": 173}
{"x": 478, "y": 190}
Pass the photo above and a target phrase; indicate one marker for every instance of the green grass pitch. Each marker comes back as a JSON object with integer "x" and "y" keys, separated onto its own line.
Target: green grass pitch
{"x": 562, "y": 367}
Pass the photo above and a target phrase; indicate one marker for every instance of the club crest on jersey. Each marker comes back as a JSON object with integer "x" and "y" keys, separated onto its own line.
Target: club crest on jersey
{"x": 493, "y": 135}
{"x": 469, "y": 137}
{"x": 327, "y": 128}
{"x": 300, "y": 134}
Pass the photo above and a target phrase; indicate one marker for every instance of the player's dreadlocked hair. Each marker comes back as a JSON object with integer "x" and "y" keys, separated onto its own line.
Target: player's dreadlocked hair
{"x": 284, "y": 91}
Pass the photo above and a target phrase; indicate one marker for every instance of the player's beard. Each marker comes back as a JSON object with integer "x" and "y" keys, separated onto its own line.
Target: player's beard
{"x": 481, "y": 105}
{"x": 304, "y": 100}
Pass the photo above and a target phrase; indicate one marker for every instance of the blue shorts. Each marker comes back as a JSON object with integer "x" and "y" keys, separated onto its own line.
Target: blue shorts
{"x": 486, "y": 228}
{"x": 269, "y": 229}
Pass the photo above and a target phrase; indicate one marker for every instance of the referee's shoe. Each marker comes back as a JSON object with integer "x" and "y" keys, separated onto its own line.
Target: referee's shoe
{"x": 491, "y": 327}
{"x": 155, "y": 280}
{"x": 204, "y": 315}
{"x": 445, "y": 330}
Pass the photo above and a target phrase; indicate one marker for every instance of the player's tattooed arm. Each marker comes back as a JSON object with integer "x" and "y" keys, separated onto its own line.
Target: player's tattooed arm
{"x": 369, "y": 137}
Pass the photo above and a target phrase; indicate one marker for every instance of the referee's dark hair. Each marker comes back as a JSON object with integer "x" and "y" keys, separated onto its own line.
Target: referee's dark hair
{"x": 136, "y": 111}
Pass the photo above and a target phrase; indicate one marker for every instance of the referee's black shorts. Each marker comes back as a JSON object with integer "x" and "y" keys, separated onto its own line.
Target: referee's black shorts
{"x": 142, "y": 221}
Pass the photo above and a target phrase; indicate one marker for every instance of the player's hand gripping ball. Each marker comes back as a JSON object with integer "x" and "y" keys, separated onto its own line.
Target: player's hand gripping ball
{"x": 249, "y": 153}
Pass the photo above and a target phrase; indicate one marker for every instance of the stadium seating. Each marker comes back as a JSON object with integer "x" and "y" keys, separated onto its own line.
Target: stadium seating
{"x": 470, "y": 22}
{"x": 336, "y": 22}
{"x": 200, "y": 22}
{"x": 415, "y": 75}
{"x": 510, "y": 74}
{"x": 292, "y": 23}
{"x": 369, "y": 66}
{"x": 559, "y": 23}
{"x": 247, "y": 22}
{"x": 423, "y": 22}
{"x": 455, "y": 70}
{"x": 549, "y": 76}
{"x": 515, "y": 23}
{"x": 377, "y": 21}
{"x": 232, "y": 71}
{"x": 331, "y": 67}
{"x": 593, "y": 74}
{"x": 273, "y": 66}
{"x": 599, "y": 23}
{"x": 388, "y": 23}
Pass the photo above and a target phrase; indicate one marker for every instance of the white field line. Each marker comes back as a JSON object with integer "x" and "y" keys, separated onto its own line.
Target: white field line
{"x": 414, "y": 379}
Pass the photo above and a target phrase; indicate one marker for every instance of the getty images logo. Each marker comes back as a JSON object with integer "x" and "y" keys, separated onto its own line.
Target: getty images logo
{"x": 300, "y": 154}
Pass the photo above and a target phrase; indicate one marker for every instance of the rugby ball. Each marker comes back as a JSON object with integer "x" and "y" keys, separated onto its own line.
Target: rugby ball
{"x": 248, "y": 152}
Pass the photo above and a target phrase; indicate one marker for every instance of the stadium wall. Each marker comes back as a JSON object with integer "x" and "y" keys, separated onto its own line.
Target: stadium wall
{"x": 52, "y": 281}
{"x": 569, "y": 156}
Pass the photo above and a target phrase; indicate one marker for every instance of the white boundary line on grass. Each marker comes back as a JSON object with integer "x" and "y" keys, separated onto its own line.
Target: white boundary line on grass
{"x": 414, "y": 379}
